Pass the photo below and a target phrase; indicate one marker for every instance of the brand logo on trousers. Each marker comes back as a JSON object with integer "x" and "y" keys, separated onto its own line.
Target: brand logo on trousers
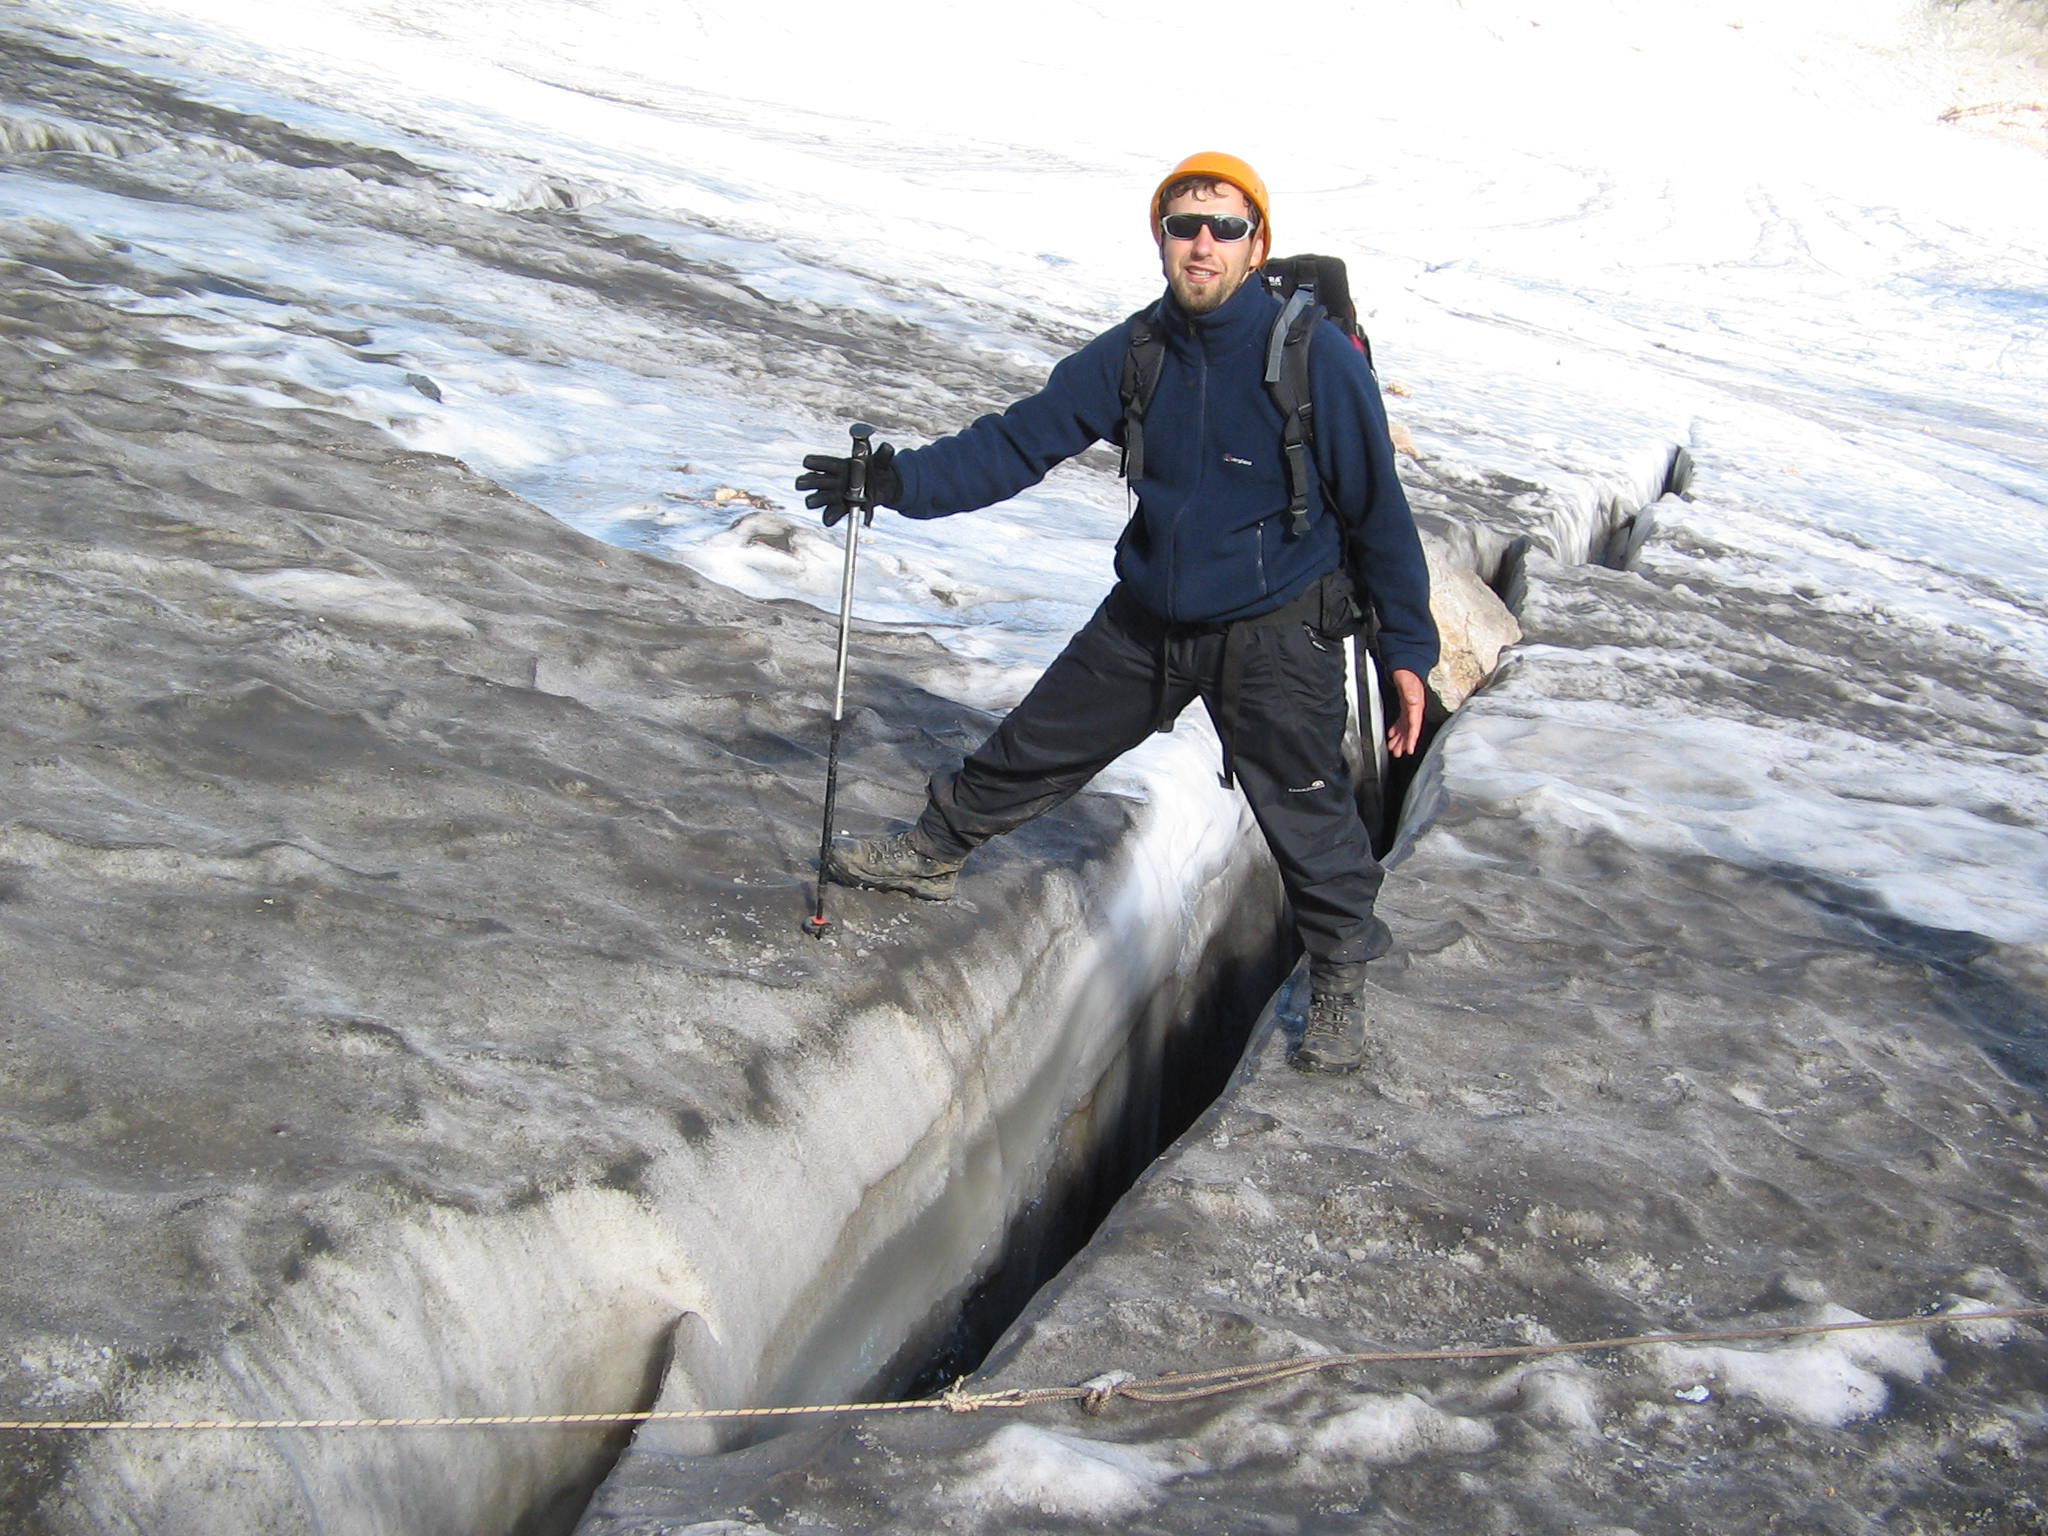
{"x": 1231, "y": 458}
{"x": 1318, "y": 784}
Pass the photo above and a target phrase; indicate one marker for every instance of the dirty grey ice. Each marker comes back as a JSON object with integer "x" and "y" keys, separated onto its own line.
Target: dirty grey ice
{"x": 406, "y": 1010}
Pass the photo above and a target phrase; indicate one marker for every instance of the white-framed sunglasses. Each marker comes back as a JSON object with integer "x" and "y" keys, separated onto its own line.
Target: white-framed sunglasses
{"x": 1225, "y": 228}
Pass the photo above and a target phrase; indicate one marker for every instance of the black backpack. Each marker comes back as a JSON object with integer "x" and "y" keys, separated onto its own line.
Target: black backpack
{"x": 1311, "y": 288}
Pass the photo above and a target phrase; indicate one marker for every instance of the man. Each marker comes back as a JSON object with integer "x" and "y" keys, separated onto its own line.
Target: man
{"x": 1220, "y": 592}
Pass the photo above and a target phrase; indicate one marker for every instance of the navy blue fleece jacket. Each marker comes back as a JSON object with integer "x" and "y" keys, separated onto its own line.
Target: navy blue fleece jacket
{"x": 1209, "y": 541}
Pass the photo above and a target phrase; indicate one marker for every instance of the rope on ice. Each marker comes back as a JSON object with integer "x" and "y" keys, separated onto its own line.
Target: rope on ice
{"x": 1095, "y": 1397}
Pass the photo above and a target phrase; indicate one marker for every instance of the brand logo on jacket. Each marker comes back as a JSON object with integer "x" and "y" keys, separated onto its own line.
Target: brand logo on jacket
{"x": 1231, "y": 458}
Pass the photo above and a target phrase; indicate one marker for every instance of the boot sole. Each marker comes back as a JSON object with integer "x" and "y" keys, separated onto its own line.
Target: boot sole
{"x": 939, "y": 888}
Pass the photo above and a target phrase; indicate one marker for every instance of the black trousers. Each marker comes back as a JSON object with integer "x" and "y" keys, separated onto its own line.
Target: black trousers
{"x": 1126, "y": 673}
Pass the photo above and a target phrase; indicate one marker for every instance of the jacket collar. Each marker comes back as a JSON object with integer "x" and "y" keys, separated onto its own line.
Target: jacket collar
{"x": 1246, "y": 314}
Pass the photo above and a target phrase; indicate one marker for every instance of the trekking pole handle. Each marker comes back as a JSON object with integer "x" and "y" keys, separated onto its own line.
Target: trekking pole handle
{"x": 857, "y": 470}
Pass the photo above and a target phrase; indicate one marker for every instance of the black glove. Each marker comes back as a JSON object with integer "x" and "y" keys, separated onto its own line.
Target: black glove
{"x": 828, "y": 477}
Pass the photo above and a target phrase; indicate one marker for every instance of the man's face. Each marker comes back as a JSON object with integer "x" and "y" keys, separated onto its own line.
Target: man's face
{"x": 1205, "y": 271}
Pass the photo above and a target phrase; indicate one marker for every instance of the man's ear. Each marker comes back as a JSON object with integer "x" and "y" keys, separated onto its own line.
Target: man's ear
{"x": 1262, "y": 250}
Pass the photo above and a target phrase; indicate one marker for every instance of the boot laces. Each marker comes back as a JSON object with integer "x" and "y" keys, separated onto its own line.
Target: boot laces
{"x": 1329, "y": 1018}
{"x": 898, "y": 853}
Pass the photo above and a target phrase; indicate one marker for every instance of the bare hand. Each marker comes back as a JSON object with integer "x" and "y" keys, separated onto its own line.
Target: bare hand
{"x": 1405, "y": 732}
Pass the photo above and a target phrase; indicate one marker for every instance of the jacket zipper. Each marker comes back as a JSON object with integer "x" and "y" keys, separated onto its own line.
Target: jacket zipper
{"x": 1173, "y": 591}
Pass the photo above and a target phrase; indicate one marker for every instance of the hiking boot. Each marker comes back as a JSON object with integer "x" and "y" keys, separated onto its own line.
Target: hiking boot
{"x": 893, "y": 863}
{"x": 1333, "y": 1040}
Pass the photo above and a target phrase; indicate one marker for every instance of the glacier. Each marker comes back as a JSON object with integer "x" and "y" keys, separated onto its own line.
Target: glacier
{"x": 414, "y": 706}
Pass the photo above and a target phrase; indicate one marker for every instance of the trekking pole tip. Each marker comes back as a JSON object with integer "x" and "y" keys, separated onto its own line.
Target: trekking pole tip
{"x": 818, "y": 925}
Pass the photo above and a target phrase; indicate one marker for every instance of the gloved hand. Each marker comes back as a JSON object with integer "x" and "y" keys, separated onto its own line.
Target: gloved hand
{"x": 828, "y": 477}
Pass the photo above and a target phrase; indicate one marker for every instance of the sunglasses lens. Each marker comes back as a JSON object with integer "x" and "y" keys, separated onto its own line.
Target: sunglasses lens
{"x": 1225, "y": 227}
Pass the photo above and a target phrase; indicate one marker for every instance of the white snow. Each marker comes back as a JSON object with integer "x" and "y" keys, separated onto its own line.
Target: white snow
{"x": 1828, "y": 1379}
{"x": 1392, "y": 1428}
{"x": 1023, "y": 1467}
{"x": 1562, "y": 1395}
{"x": 1996, "y": 1330}
{"x": 1928, "y": 839}
{"x": 1826, "y": 292}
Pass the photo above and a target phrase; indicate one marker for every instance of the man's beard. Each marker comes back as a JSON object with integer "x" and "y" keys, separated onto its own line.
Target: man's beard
{"x": 1200, "y": 301}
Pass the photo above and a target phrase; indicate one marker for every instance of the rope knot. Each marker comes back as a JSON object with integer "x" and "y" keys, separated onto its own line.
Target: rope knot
{"x": 1099, "y": 1393}
{"x": 957, "y": 1398}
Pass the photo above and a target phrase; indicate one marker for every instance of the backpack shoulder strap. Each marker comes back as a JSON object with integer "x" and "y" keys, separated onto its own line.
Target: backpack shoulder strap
{"x": 1287, "y": 377}
{"x": 1144, "y": 360}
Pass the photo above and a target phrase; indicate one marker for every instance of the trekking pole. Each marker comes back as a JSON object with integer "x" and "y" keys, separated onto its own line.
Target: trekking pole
{"x": 856, "y": 506}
